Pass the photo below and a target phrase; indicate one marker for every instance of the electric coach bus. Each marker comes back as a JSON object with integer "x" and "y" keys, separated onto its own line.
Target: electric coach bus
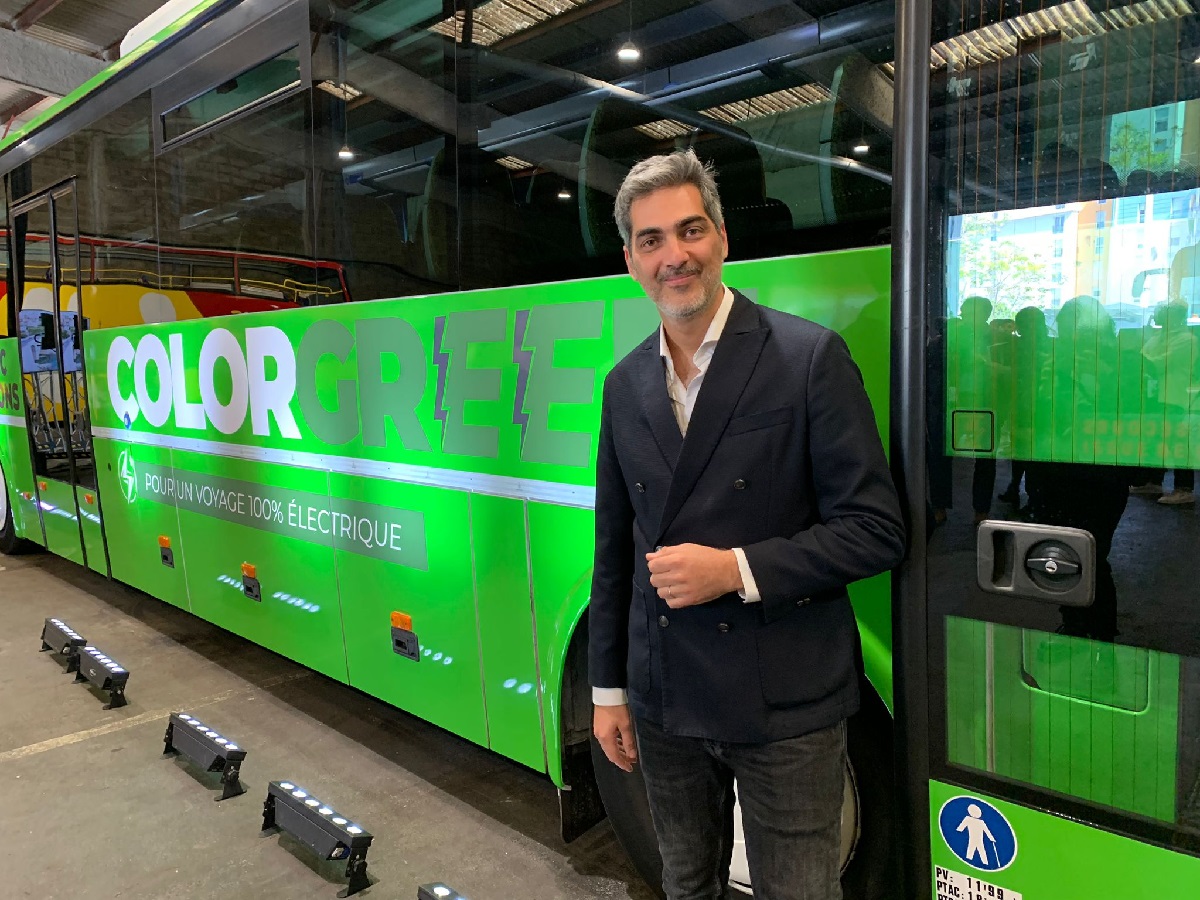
{"x": 308, "y": 307}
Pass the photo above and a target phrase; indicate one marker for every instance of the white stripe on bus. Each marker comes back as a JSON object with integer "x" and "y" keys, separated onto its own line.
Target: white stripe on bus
{"x": 13, "y": 421}
{"x": 575, "y": 495}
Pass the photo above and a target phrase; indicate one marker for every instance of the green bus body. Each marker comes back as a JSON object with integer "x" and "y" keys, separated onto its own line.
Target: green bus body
{"x": 430, "y": 459}
{"x": 432, "y": 456}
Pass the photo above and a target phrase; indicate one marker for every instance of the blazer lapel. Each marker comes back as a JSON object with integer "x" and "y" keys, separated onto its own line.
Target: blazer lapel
{"x": 732, "y": 364}
{"x": 656, "y": 403}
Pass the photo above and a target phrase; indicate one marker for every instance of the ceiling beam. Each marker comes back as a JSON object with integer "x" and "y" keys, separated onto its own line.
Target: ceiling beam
{"x": 41, "y": 67}
{"x": 21, "y": 106}
{"x": 32, "y": 14}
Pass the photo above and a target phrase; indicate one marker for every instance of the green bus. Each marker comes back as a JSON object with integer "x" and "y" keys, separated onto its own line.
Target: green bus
{"x": 308, "y": 307}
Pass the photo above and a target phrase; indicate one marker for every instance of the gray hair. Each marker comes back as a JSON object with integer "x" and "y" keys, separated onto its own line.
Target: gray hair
{"x": 671, "y": 170}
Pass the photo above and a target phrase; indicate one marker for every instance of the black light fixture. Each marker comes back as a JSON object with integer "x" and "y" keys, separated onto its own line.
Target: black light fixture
{"x": 438, "y": 891}
{"x": 59, "y": 637}
{"x": 105, "y": 673}
{"x": 317, "y": 825}
{"x": 208, "y": 749}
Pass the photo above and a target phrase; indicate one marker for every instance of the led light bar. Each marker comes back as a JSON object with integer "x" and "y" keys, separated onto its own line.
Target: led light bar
{"x": 105, "y": 673}
{"x": 61, "y": 638}
{"x": 329, "y": 833}
{"x": 208, "y": 749}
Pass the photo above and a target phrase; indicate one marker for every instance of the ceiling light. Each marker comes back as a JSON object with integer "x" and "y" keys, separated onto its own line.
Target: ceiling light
{"x": 629, "y": 52}
{"x": 346, "y": 153}
{"x": 860, "y": 149}
{"x": 564, "y": 194}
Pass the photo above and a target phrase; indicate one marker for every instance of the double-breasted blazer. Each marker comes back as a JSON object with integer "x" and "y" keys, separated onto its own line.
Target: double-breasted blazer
{"x": 783, "y": 459}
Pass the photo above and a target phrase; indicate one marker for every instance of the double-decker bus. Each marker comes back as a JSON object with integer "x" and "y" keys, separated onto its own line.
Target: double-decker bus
{"x": 385, "y": 469}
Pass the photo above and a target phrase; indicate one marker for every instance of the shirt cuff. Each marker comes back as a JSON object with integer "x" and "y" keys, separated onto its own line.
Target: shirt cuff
{"x": 609, "y": 696}
{"x": 749, "y": 592}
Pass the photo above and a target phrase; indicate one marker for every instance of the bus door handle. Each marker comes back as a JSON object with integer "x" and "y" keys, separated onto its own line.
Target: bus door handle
{"x": 1036, "y": 562}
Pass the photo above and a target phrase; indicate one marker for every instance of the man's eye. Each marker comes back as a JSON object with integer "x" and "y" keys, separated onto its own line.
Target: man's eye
{"x": 648, "y": 243}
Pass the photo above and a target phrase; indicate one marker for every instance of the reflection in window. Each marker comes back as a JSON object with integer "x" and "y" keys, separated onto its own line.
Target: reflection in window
{"x": 486, "y": 149}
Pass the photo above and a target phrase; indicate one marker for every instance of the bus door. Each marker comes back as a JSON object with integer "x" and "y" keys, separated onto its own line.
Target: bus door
{"x": 1062, "y": 538}
{"x": 50, "y": 326}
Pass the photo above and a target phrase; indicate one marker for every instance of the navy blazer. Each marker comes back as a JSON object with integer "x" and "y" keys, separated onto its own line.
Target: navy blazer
{"x": 783, "y": 459}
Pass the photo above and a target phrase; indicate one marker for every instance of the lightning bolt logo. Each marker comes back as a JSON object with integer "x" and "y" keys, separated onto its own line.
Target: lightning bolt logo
{"x": 523, "y": 358}
{"x": 441, "y": 359}
{"x": 127, "y": 476}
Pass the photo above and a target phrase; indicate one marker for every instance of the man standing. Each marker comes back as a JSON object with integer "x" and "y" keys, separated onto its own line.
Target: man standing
{"x": 740, "y": 486}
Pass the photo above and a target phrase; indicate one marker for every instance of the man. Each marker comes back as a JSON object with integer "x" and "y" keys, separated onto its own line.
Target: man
{"x": 740, "y": 486}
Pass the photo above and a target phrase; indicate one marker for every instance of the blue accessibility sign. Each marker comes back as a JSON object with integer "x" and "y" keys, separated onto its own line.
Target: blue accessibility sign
{"x": 977, "y": 833}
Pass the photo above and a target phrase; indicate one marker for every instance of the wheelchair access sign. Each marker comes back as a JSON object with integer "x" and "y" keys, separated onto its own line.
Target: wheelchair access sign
{"x": 977, "y": 833}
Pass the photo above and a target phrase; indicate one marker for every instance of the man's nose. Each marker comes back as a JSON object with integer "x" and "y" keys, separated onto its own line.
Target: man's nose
{"x": 674, "y": 252}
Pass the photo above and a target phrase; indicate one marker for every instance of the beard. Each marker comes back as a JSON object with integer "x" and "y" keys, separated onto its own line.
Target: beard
{"x": 709, "y": 290}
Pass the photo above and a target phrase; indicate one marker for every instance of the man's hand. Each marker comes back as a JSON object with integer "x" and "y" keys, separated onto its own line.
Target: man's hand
{"x": 613, "y": 727}
{"x": 690, "y": 574}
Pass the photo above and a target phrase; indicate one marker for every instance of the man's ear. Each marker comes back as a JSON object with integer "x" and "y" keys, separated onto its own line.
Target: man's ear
{"x": 628, "y": 262}
{"x": 724, "y": 242}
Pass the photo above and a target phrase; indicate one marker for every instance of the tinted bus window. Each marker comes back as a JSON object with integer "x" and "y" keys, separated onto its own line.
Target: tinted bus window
{"x": 512, "y": 131}
{"x": 385, "y": 149}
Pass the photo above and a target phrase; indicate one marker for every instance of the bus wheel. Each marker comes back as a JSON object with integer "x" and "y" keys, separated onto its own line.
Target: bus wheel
{"x": 9, "y": 542}
{"x": 624, "y": 796}
{"x": 868, "y": 864}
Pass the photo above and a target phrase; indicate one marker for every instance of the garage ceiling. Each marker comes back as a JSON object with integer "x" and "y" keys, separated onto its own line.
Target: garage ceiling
{"x": 50, "y": 47}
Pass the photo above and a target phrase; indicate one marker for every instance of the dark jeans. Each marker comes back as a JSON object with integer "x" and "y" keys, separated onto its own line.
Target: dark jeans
{"x": 791, "y": 796}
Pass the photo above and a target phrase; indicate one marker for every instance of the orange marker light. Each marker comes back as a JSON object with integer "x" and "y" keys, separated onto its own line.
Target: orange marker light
{"x": 42, "y": 486}
{"x": 89, "y": 499}
{"x": 164, "y": 542}
{"x": 249, "y": 570}
{"x": 403, "y": 621}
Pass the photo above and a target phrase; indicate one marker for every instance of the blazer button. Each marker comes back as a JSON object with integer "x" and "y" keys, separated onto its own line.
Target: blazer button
{"x": 804, "y": 602}
{"x": 641, "y": 488}
{"x": 739, "y": 485}
{"x": 724, "y": 627}
{"x": 663, "y": 622}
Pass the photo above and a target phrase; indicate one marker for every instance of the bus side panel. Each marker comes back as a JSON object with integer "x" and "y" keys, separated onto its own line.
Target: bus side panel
{"x": 137, "y": 520}
{"x": 500, "y": 560}
{"x": 423, "y": 571}
{"x": 14, "y": 446}
{"x": 61, "y": 520}
{"x": 234, "y": 513}
{"x": 93, "y": 536}
{"x": 561, "y": 541}
{"x": 1057, "y": 857}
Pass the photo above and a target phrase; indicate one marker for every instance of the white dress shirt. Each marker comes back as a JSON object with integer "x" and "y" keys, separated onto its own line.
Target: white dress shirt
{"x": 683, "y": 401}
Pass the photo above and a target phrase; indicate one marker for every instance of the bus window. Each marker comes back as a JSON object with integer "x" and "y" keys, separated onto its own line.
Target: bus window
{"x": 239, "y": 190}
{"x": 385, "y": 158}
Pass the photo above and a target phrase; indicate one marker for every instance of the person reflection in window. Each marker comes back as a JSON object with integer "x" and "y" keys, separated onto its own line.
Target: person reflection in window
{"x": 1032, "y": 352}
{"x": 1080, "y": 494}
{"x": 1172, "y": 356}
{"x": 972, "y": 361}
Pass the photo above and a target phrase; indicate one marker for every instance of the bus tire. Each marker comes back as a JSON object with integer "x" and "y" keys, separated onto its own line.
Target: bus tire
{"x": 624, "y": 796}
{"x": 870, "y": 872}
{"x": 10, "y": 544}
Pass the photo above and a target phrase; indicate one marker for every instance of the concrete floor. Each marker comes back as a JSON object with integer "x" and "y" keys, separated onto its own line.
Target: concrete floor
{"x": 90, "y": 808}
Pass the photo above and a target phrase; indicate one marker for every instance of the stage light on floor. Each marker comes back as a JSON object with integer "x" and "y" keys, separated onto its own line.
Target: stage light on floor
{"x": 105, "y": 673}
{"x": 438, "y": 891}
{"x": 59, "y": 637}
{"x": 316, "y": 825}
{"x": 208, "y": 749}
